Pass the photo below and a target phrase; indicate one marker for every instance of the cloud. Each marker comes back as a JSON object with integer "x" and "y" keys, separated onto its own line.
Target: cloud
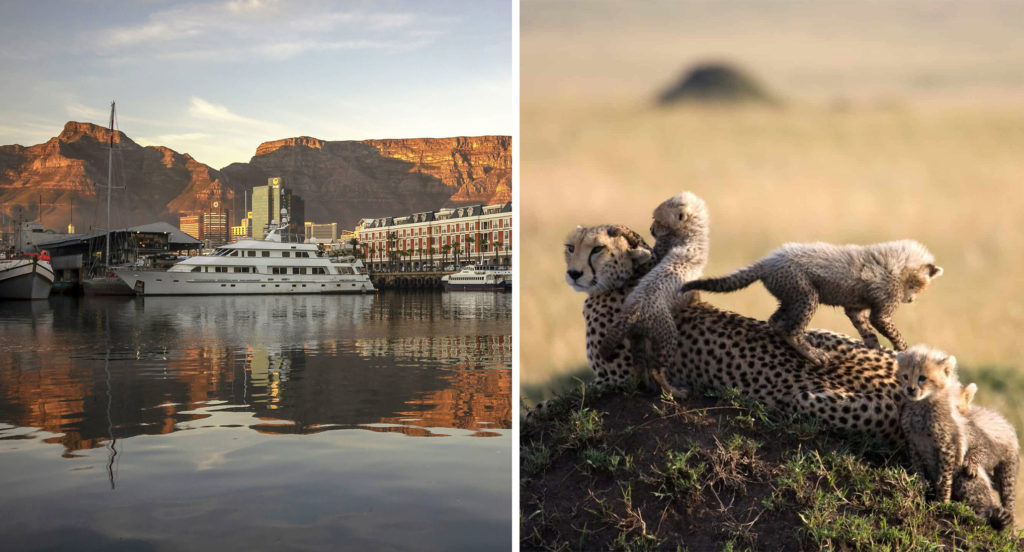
{"x": 240, "y": 28}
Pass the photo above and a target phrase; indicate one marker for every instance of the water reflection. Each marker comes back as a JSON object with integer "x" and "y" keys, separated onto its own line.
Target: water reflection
{"x": 85, "y": 373}
{"x": 256, "y": 422}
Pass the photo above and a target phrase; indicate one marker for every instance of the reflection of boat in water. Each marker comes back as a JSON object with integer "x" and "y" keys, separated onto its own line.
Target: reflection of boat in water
{"x": 254, "y": 267}
{"x": 27, "y": 277}
{"x": 471, "y": 278}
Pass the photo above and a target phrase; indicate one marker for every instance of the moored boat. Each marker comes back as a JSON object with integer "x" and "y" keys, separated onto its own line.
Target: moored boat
{"x": 471, "y": 278}
{"x": 253, "y": 267}
{"x": 26, "y": 277}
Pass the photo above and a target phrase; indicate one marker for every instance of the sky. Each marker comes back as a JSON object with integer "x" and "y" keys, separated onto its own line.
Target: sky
{"x": 216, "y": 79}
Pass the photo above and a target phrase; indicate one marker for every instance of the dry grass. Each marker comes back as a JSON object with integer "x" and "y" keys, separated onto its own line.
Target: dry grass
{"x": 951, "y": 179}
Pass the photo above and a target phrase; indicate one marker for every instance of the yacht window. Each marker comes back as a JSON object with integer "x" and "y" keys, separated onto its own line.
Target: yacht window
{"x": 279, "y": 270}
{"x": 285, "y": 254}
{"x": 221, "y": 269}
{"x": 251, "y": 253}
{"x": 298, "y": 270}
{"x": 234, "y": 253}
{"x": 197, "y": 269}
{"x": 265, "y": 253}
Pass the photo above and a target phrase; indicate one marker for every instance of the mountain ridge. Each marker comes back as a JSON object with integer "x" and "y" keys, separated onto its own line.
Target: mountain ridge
{"x": 63, "y": 179}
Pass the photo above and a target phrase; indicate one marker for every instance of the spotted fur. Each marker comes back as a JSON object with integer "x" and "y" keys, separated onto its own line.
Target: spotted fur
{"x": 720, "y": 349}
{"x": 680, "y": 228}
{"x": 934, "y": 430}
{"x": 869, "y": 282}
{"x": 992, "y": 450}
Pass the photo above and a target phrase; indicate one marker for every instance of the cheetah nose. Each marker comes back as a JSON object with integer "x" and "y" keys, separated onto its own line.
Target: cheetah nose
{"x": 574, "y": 274}
{"x": 910, "y": 391}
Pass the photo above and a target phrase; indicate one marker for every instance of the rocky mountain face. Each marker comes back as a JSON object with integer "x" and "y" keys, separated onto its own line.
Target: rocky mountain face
{"x": 348, "y": 180}
{"x": 64, "y": 179}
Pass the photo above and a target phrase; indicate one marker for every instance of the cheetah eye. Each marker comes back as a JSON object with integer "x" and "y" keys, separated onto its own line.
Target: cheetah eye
{"x": 597, "y": 249}
{"x": 569, "y": 248}
{"x": 921, "y": 380}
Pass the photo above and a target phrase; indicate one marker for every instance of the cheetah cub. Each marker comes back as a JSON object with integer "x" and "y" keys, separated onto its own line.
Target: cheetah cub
{"x": 933, "y": 427}
{"x": 991, "y": 451}
{"x": 680, "y": 229}
{"x": 868, "y": 281}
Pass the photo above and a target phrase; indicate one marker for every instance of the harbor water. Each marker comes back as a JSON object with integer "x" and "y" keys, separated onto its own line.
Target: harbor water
{"x": 366, "y": 422}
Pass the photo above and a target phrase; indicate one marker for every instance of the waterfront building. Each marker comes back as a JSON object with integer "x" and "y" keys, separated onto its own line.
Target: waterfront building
{"x": 243, "y": 230}
{"x": 211, "y": 228}
{"x": 445, "y": 239}
{"x": 267, "y": 202}
{"x": 215, "y": 228}
{"x": 322, "y": 233}
{"x": 190, "y": 224}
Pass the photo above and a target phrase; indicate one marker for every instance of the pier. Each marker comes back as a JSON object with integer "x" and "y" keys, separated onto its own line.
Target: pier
{"x": 408, "y": 280}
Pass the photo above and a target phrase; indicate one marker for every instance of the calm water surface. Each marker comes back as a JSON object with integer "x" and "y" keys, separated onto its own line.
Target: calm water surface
{"x": 315, "y": 423}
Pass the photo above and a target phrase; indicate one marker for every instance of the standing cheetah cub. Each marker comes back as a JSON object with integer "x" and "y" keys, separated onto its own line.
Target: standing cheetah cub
{"x": 991, "y": 451}
{"x": 869, "y": 281}
{"x": 932, "y": 426}
{"x": 680, "y": 228}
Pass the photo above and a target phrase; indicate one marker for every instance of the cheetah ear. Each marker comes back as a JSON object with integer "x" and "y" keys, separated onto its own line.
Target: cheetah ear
{"x": 968, "y": 393}
{"x": 640, "y": 255}
{"x": 934, "y": 271}
{"x": 947, "y": 365}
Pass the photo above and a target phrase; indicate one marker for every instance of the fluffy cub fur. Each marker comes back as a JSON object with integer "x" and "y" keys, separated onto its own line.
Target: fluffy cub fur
{"x": 991, "y": 451}
{"x": 680, "y": 228}
{"x": 868, "y": 281}
{"x": 932, "y": 427}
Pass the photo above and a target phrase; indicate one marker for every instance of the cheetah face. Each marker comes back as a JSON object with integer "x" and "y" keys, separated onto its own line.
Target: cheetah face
{"x": 924, "y": 371}
{"x": 678, "y": 213}
{"x": 602, "y": 258}
{"x": 918, "y": 279}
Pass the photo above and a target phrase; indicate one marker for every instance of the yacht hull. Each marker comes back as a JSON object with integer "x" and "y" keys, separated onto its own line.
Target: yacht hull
{"x": 25, "y": 279}
{"x": 184, "y": 283}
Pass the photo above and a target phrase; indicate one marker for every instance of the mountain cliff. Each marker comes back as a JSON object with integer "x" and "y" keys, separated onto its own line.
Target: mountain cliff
{"x": 64, "y": 179}
{"x": 348, "y": 180}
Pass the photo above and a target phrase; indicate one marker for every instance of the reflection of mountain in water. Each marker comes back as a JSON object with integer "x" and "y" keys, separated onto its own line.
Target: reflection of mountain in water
{"x": 299, "y": 364}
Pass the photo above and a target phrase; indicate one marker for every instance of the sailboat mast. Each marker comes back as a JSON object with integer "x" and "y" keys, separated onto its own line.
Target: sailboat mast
{"x": 110, "y": 173}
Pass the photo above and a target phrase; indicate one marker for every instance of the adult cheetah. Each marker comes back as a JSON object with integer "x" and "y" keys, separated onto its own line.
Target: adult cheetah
{"x": 857, "y": 390}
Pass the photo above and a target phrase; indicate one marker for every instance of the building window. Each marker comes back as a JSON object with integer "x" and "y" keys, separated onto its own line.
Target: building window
{"x": 265, "y": 253}
{"x": 286, "y": 254}
{"x": 251, "y": 253}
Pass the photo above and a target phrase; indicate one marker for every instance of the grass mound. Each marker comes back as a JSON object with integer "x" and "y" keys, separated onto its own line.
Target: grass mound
{"x": 625, "y": 470}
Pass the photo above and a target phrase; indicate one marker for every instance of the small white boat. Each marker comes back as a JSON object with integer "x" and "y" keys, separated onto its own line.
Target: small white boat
{"x": 253, "y": 267}
{"x": 471, "y": 278}
{"x": 27, "y": 277}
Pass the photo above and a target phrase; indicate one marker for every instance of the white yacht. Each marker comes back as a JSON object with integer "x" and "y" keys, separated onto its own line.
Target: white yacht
{"x": 27, "y": 277}
{"x": 471, "y": 278}
{"x": 250, "y": 267}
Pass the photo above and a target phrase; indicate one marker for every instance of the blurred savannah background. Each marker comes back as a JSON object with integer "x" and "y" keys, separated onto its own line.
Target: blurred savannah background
{"x": 856, "y": 122}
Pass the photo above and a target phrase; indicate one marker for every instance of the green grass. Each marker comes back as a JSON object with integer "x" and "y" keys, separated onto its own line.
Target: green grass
{"x": 621, "y": 469}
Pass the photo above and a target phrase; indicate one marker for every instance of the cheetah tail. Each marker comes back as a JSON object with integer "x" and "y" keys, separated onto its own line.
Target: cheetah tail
{"x": 730, "y": 282}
